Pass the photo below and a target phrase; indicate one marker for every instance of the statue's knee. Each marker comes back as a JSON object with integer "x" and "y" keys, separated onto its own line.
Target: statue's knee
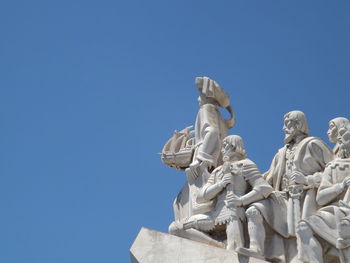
{"x": 253, "y": 214}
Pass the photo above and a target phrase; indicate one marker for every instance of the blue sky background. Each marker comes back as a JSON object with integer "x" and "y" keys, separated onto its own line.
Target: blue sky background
{"x": 91, "y": 90}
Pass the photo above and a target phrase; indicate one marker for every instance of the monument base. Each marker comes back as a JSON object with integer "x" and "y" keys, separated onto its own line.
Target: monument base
{"x": 151, "y": 246}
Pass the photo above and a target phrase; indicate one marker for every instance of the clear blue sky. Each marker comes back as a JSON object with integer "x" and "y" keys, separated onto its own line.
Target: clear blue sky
{"x": 91, "y": 90}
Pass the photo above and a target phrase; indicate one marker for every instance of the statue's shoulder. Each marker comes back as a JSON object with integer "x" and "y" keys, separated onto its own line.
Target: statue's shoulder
{"x": 318, "y": 142}
{"x": 246, "y": 165}
{"x": 313, "y": 140}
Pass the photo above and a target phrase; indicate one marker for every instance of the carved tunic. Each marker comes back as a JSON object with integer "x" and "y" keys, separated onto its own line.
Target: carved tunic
{"x": 245, "y": 177}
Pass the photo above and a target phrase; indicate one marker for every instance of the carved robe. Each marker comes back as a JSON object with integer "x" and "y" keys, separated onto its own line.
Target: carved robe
{"x": 210, "y": 130}
{"x": 324, "y": 222}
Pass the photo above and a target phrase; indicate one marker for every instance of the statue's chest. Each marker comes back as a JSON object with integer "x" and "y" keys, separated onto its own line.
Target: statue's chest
{"x": 238, "y": 184}
{"x": 340, "y": 172}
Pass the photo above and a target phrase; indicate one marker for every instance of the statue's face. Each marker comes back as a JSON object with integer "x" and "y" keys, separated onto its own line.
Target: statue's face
{"x": 332, "y": 132}
{"x": 199, "y": 101}
{"x": 227, "y": 151}
{"x": 290, "y": 129}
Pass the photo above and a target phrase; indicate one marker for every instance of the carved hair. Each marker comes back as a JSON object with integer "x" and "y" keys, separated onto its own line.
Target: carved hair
{"x": 300, "y": 118}
{"x": 344, "y": 141}
{"x": 340, "y": 122}
{"x": 237, "y": 142}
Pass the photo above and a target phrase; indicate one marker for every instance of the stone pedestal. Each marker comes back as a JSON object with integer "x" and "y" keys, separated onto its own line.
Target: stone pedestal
{"x": 151, "y": 246}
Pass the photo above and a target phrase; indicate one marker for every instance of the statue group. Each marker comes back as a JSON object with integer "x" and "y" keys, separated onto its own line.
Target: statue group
{"x": 297, "y": 211}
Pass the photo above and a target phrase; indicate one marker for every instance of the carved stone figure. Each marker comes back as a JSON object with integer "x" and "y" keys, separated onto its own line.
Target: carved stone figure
{"x": 226, "y": 201}
{"x": 203, "y": 149}
{"x": 334, "y": 126}
{"x": 231, "y": 186}
{"x": 210, "y": 130}
{"x": 294, "y": 174}
{"x": 330, "y": 223}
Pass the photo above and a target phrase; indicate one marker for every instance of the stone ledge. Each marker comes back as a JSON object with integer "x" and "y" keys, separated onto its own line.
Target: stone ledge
{"x": 151, "y": 246}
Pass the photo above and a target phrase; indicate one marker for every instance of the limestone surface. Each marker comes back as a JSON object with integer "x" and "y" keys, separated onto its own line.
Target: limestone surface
{"x": 151, "y": 246}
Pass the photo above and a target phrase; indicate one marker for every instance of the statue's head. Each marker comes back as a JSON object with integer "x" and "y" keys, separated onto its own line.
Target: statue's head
{"x": 343, "y": 140}
{"x": 233, "y": 147}
{"x": 295, "y": 124}
{"x": 334, "y": 126}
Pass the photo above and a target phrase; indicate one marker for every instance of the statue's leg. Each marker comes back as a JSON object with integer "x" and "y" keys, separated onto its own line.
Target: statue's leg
{"x": 311, "y": 249}
{"x": 177, "y": 229}
{"x": 343, "y": 241}
{"x": 256, "y": 230}
{"x": 210, "y": 148}
{"x": 235, "y": 234}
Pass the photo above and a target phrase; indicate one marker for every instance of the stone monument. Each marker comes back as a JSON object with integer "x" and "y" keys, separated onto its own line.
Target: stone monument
{"x": 228, "y": 211}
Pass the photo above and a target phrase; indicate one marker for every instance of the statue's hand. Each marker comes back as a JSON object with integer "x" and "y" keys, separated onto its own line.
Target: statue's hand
{"x": 226, "y": 179}
{"x": 233, "y": 200}
{"x": 346, "y": 182}
{"x": 298, "y": 178}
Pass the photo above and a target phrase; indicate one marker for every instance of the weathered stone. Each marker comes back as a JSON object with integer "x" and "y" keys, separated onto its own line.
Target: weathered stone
{"x": 151, "y": 246}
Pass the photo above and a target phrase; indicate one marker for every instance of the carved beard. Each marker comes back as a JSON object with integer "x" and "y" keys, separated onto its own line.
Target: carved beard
{"x": 288, "y": 137}
{"x": 231, "y": 156}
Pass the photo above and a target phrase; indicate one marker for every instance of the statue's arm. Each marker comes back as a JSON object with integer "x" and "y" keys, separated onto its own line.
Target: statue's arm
{"x": 260, "y": 187}
{"x": 268, "y": 176}
{"x": 251, "y": 197}
{"x": 210, "y": 190}
{"x": 328, "y": 190}
{"x": 323, "y": 155}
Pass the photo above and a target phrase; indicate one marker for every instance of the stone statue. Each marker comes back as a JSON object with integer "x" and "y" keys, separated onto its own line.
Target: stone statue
{"x": 331, "y": 222}
{"x": 334, "y": 126}
{"x": 210, "y": 130}
{"x": 210, "y": 127}
{"x": 298, "y": 211}
{"x": 200, "y": 154}
{"x": 294, "y": 174}
{"x": 232, "y": 186}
